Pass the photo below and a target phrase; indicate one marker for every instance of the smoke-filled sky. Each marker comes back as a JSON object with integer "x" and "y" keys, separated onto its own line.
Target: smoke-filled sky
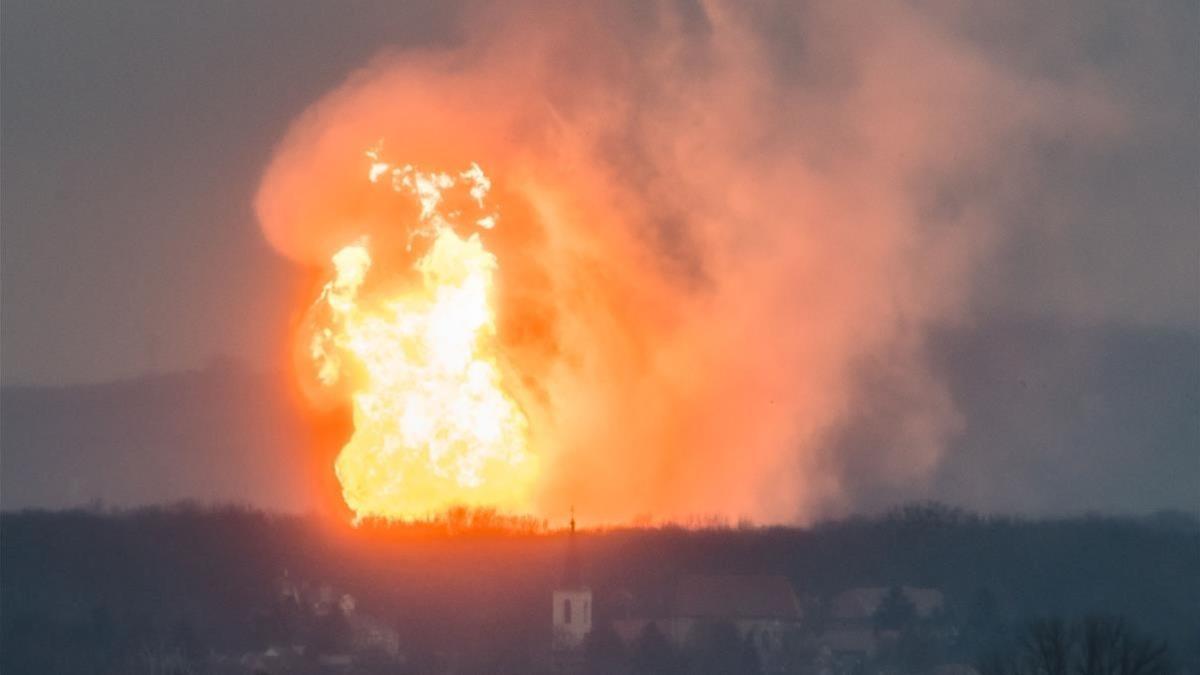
{"x": 775, "y": 261}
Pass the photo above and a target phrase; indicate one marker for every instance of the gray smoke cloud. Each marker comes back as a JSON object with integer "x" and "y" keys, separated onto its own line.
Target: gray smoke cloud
{"x": 718, "y": 219}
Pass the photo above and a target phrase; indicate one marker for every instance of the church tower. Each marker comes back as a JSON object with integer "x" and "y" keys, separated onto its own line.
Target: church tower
{"x": 572, "y": 608}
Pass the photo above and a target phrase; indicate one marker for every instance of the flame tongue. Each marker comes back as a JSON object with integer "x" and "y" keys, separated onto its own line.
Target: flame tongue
{"x": 433, "y": 427}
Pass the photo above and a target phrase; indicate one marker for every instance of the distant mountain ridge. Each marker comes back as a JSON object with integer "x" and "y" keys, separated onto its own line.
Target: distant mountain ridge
{"x": 223, "y": 434}
{"x": 1058, "y": 418}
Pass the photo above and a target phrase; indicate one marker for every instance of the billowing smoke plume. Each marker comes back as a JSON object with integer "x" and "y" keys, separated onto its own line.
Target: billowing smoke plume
{"x": 711, "y": 218}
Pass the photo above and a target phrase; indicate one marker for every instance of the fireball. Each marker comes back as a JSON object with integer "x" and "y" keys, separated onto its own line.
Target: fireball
{"x": 415, "y": 355}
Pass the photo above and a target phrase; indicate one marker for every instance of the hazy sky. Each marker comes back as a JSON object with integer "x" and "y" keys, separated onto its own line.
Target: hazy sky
{"x": 135, "y": 136}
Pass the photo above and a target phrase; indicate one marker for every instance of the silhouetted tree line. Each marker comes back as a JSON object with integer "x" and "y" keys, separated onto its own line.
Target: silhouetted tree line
{"x": 1093, "y": 645}
{"x": 162, "y": 590}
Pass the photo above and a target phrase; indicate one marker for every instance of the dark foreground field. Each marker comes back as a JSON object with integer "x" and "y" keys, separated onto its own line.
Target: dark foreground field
{"x": 197, "y": 590}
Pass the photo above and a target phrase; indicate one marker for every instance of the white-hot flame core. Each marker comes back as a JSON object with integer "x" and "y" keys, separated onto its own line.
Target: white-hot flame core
{"x": 433, "y": 426}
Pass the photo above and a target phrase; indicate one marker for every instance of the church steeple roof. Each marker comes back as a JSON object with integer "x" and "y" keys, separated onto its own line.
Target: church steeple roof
{"x": 572, "y": 577}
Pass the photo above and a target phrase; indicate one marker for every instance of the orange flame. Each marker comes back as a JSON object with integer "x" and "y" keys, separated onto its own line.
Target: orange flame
{"x": 433, "y": 426}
